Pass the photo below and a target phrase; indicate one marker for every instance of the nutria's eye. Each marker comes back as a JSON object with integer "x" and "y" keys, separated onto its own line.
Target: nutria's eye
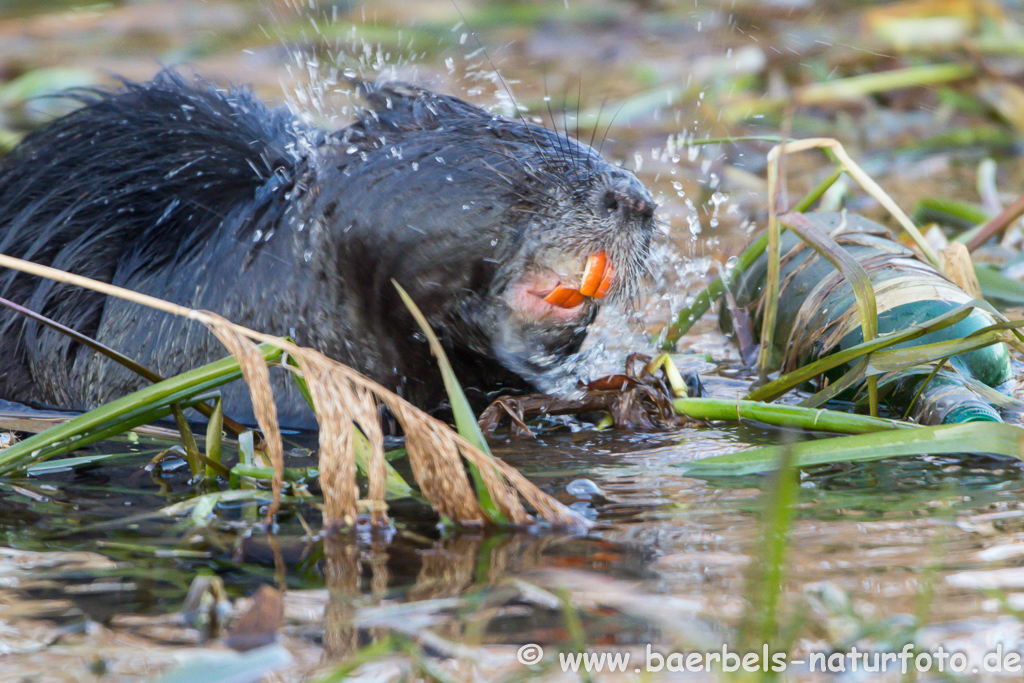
{"x": 610, "y": 201}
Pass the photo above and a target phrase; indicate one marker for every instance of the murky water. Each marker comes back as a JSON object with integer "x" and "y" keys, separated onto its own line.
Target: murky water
{"x": 929, "y": 546}
{"x": 872, "y": 547}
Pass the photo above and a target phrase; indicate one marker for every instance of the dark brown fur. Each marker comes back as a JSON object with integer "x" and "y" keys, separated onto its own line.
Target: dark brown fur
{"x": 208, "y": 199}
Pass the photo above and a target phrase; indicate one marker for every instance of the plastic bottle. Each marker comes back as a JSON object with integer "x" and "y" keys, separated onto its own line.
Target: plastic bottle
{"x": 817, "y": 315}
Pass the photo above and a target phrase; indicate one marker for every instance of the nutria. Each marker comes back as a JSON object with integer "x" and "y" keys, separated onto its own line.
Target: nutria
{"x": 207, "y": 198}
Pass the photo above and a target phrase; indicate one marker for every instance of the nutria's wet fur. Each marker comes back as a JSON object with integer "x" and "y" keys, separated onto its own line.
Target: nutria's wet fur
{"x": 207, "y": 198}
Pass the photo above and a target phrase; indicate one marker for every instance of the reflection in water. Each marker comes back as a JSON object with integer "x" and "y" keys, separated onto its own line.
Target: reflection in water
{"x": 465, "y": 565}
{"x": 876, "y": 533}
{"x": 666, "y": 562}
{"x": 867, "y": 539}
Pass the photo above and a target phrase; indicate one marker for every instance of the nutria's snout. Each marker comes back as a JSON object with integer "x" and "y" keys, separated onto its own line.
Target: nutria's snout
{"x": 568, "y": 281}
{"x": 593, "y": 250}
{"x": 628, "y": 201}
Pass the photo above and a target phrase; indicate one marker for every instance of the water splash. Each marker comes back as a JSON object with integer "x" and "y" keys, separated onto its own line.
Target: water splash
{"x": 331, "y": 52}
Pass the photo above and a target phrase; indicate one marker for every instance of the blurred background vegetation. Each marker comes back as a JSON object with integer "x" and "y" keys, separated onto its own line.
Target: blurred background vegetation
{"x": 920, "y": 91}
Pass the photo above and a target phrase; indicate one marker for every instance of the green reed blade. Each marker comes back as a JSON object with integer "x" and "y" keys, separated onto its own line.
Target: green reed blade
{"x": 970, "y": 437}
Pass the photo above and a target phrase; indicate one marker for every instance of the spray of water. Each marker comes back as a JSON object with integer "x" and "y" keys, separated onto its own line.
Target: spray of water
{"x": 332, "y": 51}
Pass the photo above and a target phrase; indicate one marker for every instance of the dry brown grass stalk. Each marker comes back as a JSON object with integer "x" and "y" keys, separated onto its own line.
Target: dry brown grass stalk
{"x": 257, "y": 377}
{"x": 342, "y": 399}
{"x": 436, "y": 453}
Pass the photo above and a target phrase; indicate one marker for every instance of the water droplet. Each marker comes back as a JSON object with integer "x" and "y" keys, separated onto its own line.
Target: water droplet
{"x": 583, "y": 488}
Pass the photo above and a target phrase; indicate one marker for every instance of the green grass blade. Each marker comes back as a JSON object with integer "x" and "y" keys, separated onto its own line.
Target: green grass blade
{"x": 834, "y": 389}
{"x": 966, "y": 438}
{"x": 291, "y": 474}
{"x": 764, "y": 590}
{"x": 188, "y": 441}
{"x": 394, "y": 489}
{"x": 771, "y": 285}
{"x": 66, "y": 464}
{"x": 853, "y": 87}
{"x": 46, "y": 82}
{"x": 395, "y": 486}
{"x": 120, "y": 414}
{"x": 949, "y": 212}
{"x": 143, "y": 415}
{"x": 995, "y": 285}
{"x": 784, "y": 415}
{"x": 215, "y": 434}
{"x": 778, "y": 387}
{"x": 465, "y": 420}
{"x": 892, "y": 360}
{"x": 860, "y": 282}
{"x": 819, "y": 191}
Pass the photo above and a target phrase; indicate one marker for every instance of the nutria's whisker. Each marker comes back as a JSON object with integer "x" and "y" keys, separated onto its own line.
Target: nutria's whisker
{"x": 608, "y": 128}
{"x": 560, "y": 145}
{"x": 593, "y": 130}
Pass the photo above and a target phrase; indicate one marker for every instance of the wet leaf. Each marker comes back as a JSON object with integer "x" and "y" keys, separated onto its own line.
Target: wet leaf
{"x": 258, "y": 625}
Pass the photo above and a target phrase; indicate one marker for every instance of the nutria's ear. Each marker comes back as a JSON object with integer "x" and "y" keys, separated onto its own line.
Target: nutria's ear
{"x": 400, "y": 106}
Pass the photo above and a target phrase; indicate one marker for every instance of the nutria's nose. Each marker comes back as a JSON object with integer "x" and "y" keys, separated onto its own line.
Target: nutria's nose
{"x": 628, "y": 202}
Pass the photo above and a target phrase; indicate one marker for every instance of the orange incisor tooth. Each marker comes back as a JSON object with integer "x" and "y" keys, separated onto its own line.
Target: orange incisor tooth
{"x": 564, "y": 297}
{"x": 574, "y": 300}
{"x": 606, "y": 283}
{"x": 594, "y": 273}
